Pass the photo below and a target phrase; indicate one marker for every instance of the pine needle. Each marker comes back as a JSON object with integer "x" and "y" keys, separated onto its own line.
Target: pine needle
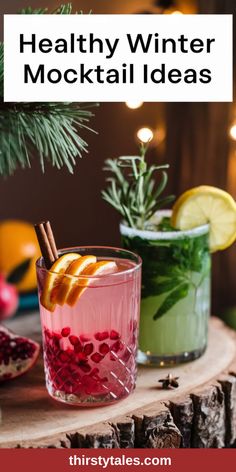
{"x": 49, "y": 130}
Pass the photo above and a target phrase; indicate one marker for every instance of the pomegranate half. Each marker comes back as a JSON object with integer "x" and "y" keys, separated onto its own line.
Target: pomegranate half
{"x": 17, "y": 354}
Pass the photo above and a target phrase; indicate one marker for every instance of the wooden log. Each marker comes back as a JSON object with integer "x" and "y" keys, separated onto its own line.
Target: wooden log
{"x": 155, "y": 428}
{"x": 125, "y": 430}
{"x": 201, "y": 413}
{"x": 228, "y": 383}
{"x": 183, "y": 412}
{"x": 209, "y": 417}
{"x": 99, "y": 436}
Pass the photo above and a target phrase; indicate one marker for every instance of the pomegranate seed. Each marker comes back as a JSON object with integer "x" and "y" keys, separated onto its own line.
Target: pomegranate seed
{"x": 82, "y": 357}
{"x": 56, "y": 336}
{"x": 63, "y": 356}
{"x": 78, "y": 348}
{"x": 65, "y": 332}
{"x": 70, "y": 352}
{"x": 104, "y": 379}
{"x": 88, "y": 349}
{"x": 101, "y": 336}
{"x": 73, "y": 340}
{"x": 104, "y": 348}
{"x": 126, "y": 354}
{"x": 114, "y": 335}
{"x": 85, "y": 367}
{"x": 94, "y": 372}
{"x": 96, "y": 357}
{"x": 84, "y": 338}
{"x": 90, "y": 385}
{"x": 117, "y": 346}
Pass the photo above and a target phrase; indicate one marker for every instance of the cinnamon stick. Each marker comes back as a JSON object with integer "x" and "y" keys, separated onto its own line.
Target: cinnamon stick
{"x": 46, "y": 243}
{"x": 50, "y": 235}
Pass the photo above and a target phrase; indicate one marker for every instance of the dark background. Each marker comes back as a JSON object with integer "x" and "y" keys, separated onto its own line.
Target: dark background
{"x": 193, "y": 138}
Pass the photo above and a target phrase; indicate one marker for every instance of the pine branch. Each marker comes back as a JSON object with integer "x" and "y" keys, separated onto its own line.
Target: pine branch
{"x": 47, "y": 129}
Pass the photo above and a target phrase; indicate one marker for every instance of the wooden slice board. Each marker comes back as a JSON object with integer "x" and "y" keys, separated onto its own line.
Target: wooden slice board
{"x": 200, "y": 413}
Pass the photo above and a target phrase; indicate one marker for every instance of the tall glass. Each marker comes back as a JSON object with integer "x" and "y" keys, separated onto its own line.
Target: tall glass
{"x": 90, "y": 349}
{"x": 175, "y": 301}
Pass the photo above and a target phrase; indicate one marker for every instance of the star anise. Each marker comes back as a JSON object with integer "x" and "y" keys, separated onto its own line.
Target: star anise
{"x": 169, "y": 382}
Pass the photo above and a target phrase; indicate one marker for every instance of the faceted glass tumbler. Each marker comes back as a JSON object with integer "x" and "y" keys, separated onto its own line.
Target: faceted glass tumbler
{"x": 90, "y": 349}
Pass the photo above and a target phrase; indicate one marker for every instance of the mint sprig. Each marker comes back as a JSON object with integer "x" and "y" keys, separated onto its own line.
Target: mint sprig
{"x": 175, "y": 296}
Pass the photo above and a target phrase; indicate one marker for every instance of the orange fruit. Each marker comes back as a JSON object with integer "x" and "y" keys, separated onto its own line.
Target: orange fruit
{"x": 69, "y": 280}
{"x": 54, "y": 278}
{"x": 18, "y": 242}
{"x": 99, "y": 268}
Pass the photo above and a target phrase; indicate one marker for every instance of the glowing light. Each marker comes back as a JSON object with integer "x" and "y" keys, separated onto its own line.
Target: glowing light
{"x": 176, "y": 12}
{"x": 133, "y": 104}
{"x": 232, "y": 132}
{"x": 145, "y": 135}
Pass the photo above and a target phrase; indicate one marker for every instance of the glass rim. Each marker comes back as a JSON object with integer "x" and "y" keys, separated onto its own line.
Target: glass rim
{"x": 62, "y": 251}
{"x": 163, "y": 235}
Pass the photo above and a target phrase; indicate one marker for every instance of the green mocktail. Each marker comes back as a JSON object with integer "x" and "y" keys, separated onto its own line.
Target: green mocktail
{"x": 175, "y": 291}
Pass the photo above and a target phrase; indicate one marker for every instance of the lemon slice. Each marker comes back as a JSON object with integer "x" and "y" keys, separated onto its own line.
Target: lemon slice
{"x": 53, "y": 280}
{"x": 75, "y": 268}
{"x": 206, "y": 204}
{"x": 99, "y": 268}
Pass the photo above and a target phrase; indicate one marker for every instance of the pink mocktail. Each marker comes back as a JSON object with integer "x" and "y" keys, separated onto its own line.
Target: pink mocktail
{"x": 90, "y": 348}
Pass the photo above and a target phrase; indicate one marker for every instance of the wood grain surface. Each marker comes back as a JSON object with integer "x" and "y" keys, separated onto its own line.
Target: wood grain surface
{"x": 200, "y": 413}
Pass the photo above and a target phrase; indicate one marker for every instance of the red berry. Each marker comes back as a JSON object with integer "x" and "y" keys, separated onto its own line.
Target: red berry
{"x": 73, "y": 340}
{"x": 65, "y": 332}
{"x": 101, "y": 336}
{"x": 114, "y": 335}
{"x": 104, "y": 348}
{"x": 88, "y": 349}
{"x": 96, "y": 357}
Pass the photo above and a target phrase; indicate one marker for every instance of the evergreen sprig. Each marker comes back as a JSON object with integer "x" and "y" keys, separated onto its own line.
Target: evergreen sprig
{"x": 133, "y": 191}
{"x": 47, "y": 129}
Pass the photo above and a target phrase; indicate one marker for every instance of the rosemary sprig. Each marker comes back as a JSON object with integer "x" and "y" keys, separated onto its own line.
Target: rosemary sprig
{"x": 133, "y": 191}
